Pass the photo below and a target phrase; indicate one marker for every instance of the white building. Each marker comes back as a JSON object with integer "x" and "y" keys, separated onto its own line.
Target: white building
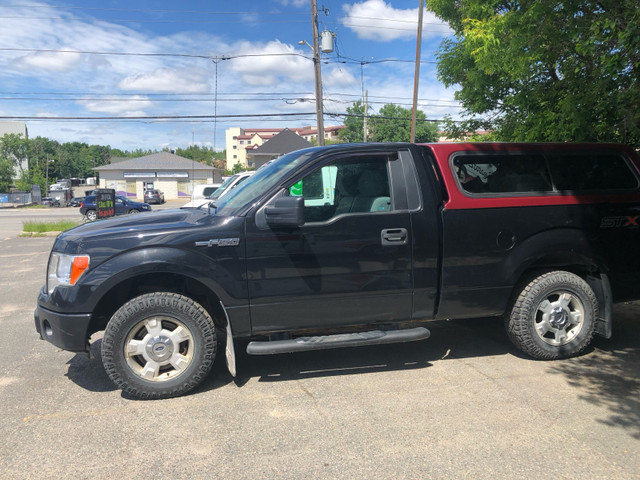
{"x": 174, "y": 175}
{"x": 239, "y": 141}
{"x": 19, "y": 128}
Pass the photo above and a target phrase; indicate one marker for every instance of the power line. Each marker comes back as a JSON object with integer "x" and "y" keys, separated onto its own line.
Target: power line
{"x": 155, "y": 117}
{"x": 137, "y": 54}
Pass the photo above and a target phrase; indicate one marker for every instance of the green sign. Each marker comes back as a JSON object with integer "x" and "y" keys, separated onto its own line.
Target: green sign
{"x": 296, "y": 189}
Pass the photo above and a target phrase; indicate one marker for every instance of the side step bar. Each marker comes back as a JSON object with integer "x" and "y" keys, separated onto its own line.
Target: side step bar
{"x": 301, "y": 344}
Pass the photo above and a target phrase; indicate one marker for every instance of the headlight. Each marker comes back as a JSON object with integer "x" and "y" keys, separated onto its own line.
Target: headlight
{"x": 65, "y": 269}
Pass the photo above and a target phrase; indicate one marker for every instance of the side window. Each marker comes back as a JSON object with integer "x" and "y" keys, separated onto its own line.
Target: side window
{"x": 345, "y": 186}
{"x": 591, "y": 171}
{"x": 521, "y": 173}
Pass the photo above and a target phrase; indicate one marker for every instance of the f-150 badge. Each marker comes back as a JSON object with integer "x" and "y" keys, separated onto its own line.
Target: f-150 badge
{"x": 219, "y": 242}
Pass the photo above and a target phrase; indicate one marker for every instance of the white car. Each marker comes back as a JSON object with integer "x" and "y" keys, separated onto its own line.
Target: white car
{"x": 202, "y": 192}
{"x": 228, "y": 185}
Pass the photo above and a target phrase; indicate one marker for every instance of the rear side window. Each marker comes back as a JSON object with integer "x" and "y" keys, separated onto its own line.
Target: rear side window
{"x": 591, "y": 171}
{"x": 520, "y": 173}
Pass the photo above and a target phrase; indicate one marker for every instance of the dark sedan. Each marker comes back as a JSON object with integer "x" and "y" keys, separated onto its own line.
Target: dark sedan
{"x": 75, "y": 202}
{"x": 154, "y": 196}
{"x": 123, "y": 206}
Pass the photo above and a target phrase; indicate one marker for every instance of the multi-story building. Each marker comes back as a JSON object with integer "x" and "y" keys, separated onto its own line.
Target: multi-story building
{"x": 239, "y": 141}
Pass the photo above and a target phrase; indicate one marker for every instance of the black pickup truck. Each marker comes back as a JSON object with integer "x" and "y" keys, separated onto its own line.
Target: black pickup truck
{"x": 354, "y": 245}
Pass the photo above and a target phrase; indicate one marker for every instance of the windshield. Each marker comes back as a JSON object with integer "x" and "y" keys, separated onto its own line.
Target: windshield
{"x": 220, "y": 190}
{"x": 262, "y": 181}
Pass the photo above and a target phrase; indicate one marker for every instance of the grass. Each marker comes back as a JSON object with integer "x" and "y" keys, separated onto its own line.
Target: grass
{"x": 37, "y": 228}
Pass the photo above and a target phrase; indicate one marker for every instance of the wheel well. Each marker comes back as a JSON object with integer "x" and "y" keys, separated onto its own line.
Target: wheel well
{"x": 155, "y": 282}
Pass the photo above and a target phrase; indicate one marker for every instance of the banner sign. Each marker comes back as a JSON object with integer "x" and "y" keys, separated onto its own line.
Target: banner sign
{"x": 106, "y": 202}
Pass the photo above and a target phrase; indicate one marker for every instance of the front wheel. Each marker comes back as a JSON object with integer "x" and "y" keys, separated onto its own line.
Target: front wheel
{"x": 132, "y": 211}
{"x": 159, "y": 345}
{"x": 554, "y": 316}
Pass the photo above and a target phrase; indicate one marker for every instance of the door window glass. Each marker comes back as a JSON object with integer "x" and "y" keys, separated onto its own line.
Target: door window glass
{"x": 346, "y": 186}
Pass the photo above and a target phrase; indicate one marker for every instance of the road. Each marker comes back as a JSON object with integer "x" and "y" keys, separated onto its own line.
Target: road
{"x": 463, "y": 404}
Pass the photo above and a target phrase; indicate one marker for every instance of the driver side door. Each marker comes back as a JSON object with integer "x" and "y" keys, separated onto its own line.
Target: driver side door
{"x": 351, "y": 261}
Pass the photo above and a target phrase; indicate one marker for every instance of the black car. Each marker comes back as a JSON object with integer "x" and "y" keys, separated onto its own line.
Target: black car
{"x": 50, "y": 202}
{"x": 123, "y": 206}
{"x": 154, "y": 196}
{"x": 75, "y": 202}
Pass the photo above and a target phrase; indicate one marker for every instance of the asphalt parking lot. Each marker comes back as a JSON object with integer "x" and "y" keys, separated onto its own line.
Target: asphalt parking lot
{"x": 462, "y": 404}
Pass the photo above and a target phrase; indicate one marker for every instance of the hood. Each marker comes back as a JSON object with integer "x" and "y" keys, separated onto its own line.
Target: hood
{"x": 173, "y": 227}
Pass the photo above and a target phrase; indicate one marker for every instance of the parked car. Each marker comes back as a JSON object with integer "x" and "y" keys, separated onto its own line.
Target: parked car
{"x": 153, "y": 196}
{"x": 229, "y": 184}
{"x": 204, "y": 190}
{"x": 75, "y": 202}
{"x": 123, "y": 206}
{"x": 50, "y": 202}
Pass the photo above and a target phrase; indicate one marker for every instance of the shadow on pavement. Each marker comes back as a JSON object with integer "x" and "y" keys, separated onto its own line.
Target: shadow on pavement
{"x": 449, "y": 340}
{"x": 609, "y": 376}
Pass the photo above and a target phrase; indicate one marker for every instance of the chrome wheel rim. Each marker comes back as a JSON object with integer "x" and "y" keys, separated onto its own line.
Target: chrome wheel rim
{"x": 159, "y": 348}
{"x": 91, "y": 215}
{"x": 559, "y": 318}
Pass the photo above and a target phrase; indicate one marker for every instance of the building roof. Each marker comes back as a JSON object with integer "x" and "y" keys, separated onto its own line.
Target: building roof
{"x": 284, "y": 142}
{"x": 156, "y": 161}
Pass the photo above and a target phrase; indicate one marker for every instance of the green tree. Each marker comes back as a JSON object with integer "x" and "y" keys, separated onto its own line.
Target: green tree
{"x": 6, "y": 174}
{"x": 393, "y": 124}
{"x": 354, "y": 124}
{"x": 14, "y": 148}
{"x": 545, "y": 71}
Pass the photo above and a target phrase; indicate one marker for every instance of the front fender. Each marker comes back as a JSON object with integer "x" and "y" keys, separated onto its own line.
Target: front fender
{"x": 223, "y": 276}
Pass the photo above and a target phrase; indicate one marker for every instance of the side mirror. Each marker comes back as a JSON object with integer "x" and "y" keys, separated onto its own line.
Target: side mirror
{"x": 285, "y": 212}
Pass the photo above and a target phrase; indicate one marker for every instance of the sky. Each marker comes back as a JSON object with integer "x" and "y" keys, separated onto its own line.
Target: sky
{"x": 143, "y": 74}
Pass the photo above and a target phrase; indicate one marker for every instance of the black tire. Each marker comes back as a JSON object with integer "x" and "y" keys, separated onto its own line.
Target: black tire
{"x": 159, "y": 345}
{"x": 553, "y": 316}
{"x": 132, "y": 211}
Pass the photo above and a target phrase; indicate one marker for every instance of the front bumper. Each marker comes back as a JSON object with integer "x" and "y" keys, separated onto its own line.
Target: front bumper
{"x": 65, "y": 331}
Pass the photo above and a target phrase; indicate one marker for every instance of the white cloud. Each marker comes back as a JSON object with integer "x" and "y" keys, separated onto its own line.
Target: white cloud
{"x": 295, "y": 3}
{"x": 377, "y": 20}
{"x": 338, "y": 77}
{"x": 52, "y": 61}
{"x": 131, "y": 107}
{"x": 271, "y": 63}
{"x": 166, "y": 80}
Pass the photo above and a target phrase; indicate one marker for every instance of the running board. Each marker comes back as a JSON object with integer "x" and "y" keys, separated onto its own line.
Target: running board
{"x": 301, "y": 344}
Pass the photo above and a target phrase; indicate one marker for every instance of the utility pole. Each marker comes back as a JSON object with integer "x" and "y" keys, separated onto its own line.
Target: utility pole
{"x": 318, "y": 74}
{"x": 417, "y": 75}
{"x": 46, "y": 181}
{"x": 364, "y": 120}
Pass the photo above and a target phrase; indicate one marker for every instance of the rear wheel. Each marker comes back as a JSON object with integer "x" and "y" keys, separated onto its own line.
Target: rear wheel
{"x": 91, "y": 215}
{"x": 159, "y": 345}
{"x": 554, "y": 316}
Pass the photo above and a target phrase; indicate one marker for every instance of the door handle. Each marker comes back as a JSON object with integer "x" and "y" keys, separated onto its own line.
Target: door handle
{"x": 394, "y": 236}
